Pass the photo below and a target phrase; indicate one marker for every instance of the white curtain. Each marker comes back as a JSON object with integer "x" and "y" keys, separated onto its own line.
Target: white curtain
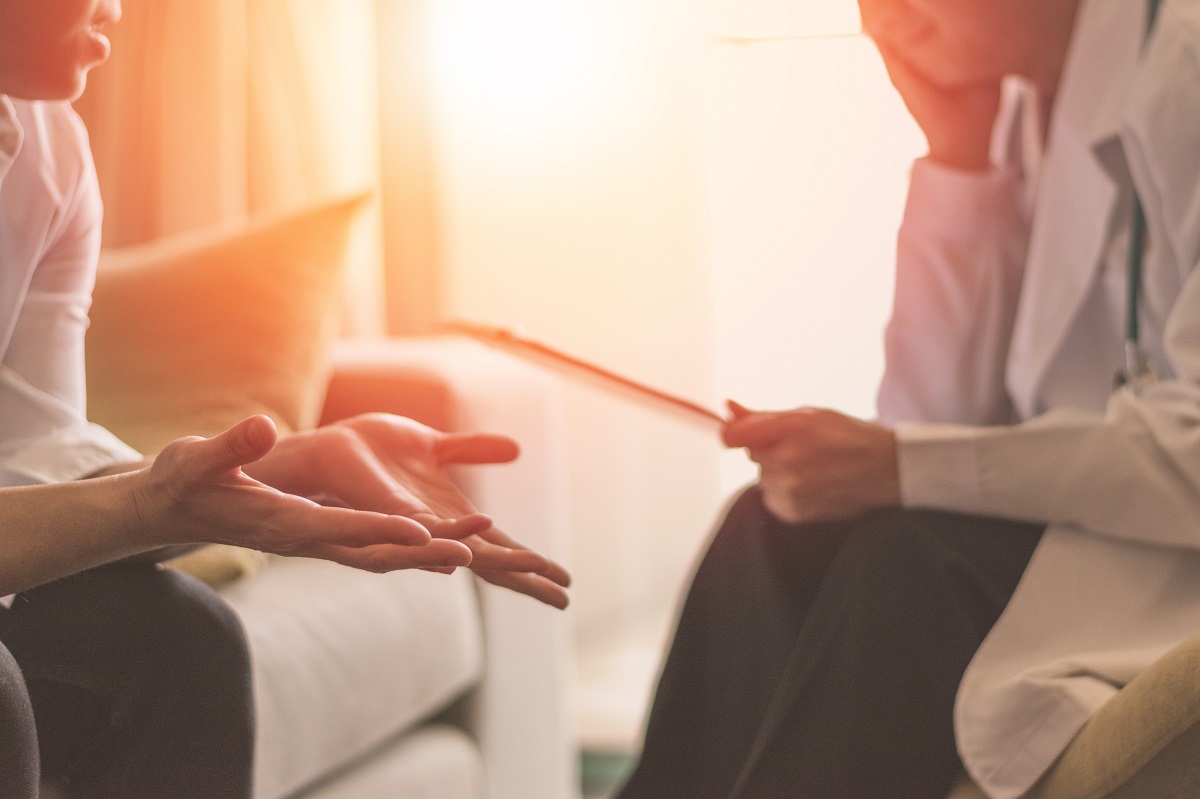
{"x": 214, "y": 111}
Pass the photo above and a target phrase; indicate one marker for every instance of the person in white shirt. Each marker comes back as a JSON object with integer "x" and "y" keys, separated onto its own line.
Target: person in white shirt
{"x": 965, "y": 581}
{"x": 127, "y": 680}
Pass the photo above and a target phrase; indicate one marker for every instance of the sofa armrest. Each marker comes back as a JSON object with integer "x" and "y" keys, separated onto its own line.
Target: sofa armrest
{"x": 519, "y": 713}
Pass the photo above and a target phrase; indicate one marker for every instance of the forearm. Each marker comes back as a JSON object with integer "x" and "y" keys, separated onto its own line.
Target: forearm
{"x": 1129, "y": 473}
{"x": 960, "y": 261}
{"x": 52, "y": 531}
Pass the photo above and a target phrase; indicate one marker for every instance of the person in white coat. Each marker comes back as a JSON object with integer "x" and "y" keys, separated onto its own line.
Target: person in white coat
{"x": 963, "y": 582}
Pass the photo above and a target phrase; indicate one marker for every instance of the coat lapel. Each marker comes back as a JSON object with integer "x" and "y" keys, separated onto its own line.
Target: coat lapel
{"x": 1077, "y": 193}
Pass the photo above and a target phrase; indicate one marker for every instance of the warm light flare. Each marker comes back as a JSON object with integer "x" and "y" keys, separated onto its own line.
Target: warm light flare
{"x": 782, "y": 19}
{"x": 521, "y": 63}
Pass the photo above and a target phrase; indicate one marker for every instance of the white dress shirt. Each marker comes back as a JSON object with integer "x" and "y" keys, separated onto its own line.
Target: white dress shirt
{"x": 1006, "y": 335}
{"x": 50, "y": 215}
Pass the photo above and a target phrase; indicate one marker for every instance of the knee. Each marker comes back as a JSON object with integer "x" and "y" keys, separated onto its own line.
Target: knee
{"x": 747, "y": 510}
{"x": 18, "y": 735}
{"x": 174, "y": 626}
{"x": 899, "y": 550}
{"x": 193, "y": 622}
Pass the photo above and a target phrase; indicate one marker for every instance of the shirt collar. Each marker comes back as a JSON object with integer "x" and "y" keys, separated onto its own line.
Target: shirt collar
{"x": 11, "y": 135}
{"x": 1094, "y": 95}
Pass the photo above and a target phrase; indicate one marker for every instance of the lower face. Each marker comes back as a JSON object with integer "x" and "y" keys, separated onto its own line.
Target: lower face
{"x": 961, "y": 42}
{"x": 48, "y": 46}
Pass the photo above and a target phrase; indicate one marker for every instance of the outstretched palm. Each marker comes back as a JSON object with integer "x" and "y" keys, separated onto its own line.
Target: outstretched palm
{"x": 394, "y": 465}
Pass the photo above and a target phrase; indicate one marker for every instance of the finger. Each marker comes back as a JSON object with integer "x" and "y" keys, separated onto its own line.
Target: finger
{"x": 557, "y": 574}
{"x": 497, "y": 558}
{"x": 302, "y": 522}
{"x": 765, "y": 455}
{"x": 246, "y": 442}
{"x": 760, "y": 429}
{"x": 737, "y": 410}
{"x": 551, "y": 570}
{"x": 475, "y": 448}
{"x": 531, "y": 585}
{"x": 437, "y": 555}
{"x": 457, "y": 529}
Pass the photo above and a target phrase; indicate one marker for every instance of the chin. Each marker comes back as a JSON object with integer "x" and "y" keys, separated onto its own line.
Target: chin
{"x": 68, "y": 88}
{"x": 49, "y": 87}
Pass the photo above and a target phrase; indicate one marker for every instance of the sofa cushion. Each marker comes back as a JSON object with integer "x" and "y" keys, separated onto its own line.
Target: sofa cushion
{"x": 434, "y": 762}
{"x": 194, "y": 333}
{"x": 344, "y": 660}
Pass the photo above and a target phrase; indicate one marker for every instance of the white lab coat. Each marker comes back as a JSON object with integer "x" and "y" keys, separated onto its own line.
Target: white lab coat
{"x": 1007, "y": 316}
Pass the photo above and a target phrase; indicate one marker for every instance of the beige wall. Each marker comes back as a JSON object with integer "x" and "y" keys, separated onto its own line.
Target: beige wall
{"x": 714, "y": 216}
{"x": 574, "y": 210}
{"x": 808, "y": 159}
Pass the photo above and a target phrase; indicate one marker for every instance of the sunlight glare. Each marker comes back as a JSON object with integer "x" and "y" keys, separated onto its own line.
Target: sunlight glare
{"x": 522, "y": 64}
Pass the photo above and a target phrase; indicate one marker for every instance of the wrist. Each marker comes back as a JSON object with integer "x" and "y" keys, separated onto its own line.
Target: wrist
{"x": 968, "y": 154}
{"x": 140, "y": 509}
{"x": 962, "y": 135}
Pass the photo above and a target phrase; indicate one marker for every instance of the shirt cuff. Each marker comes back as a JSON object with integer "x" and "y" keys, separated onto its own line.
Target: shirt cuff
{"x": 939, "y": 467}
{"x": 69, "y": 453}
{"x": 949, "y": 203}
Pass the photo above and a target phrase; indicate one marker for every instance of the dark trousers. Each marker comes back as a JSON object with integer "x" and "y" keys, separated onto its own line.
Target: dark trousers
{"x": 822, "y": 661}
{"x": 125, "y": 681}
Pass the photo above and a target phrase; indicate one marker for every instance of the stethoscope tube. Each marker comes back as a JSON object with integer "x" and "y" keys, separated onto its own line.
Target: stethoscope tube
{"x": 1138, "y": 370}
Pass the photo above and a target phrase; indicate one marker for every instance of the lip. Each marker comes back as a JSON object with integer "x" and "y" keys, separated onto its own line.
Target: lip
{"x": 98, "y": 43}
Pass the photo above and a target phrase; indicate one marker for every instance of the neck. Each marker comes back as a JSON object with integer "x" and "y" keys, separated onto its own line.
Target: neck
{"x": 1048, "y": 53}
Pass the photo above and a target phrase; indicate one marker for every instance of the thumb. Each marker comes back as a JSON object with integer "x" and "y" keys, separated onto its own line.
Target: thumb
{"x": 245, "y": 442}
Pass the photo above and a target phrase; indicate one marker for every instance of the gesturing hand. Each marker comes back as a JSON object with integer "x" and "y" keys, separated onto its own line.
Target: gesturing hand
{"x": 196, "y": 491}
{"x": 816, "y": 464}
{"x": 393, "y": 465}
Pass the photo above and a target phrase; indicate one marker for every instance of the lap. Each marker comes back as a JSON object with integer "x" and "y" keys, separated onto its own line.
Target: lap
{"x": 18, "y": 737}
{"x": 777, "y": 613}
{"x": 752, "y": 543}
{"x": 126, "y": 659}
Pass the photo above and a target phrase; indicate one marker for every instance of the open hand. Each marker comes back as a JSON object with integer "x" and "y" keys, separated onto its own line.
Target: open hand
{"x": 196, "y": 491}
{"x": 393, "y": 465}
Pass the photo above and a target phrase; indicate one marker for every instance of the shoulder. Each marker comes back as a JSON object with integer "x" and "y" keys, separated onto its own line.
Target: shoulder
{"x": 55, "y": 143}
{"x": 54, "y": 172}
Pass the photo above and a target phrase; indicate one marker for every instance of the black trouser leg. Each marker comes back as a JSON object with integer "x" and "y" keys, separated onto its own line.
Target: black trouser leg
{"x": 18, "y": 738}
{"x": 747, "y": 602}
{"x": 866, "y": 708}
{"x": 140, "y": 684}
{"x": 857, "y": 702}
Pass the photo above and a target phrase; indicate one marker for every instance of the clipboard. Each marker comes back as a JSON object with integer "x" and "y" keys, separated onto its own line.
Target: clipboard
{"x": 563, "y": 363}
